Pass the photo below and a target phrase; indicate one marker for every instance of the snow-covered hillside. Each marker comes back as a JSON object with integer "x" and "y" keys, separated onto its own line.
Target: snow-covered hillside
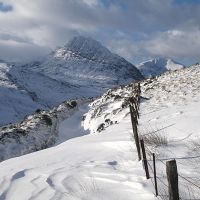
{"x": 104, "y": 164}
{"x": 82, "y": 68}
{"x": 170, "y": 124}
{"x": 15, "y": 102}
{"x": 44, "y": 90}
{"x": 158, "y": 66}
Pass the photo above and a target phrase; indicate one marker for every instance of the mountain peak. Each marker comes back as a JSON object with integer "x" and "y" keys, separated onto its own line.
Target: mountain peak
{"x": 87, "y": 47}
{"x": 78, "y": 42}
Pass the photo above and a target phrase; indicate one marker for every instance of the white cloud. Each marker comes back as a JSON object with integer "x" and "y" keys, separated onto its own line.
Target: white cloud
{"x": 175, "y": 44}
{"x": 126, "y": 48}
{"x": 91, "y": 2}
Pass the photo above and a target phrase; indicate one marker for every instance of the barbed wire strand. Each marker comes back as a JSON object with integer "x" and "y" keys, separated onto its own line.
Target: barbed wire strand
{"x": 177, "y": 158}
{"x": 158, "y": 130}
{"x": 189, "y": 181}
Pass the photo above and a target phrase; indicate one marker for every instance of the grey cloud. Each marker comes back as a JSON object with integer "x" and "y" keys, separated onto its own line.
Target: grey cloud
{"x": 125, "y": 48}
{"x": 19, "y": 52}
{"x": 175, "y": 44}
{"x": 13, "y": 37}
{"x": 144, "y": 23}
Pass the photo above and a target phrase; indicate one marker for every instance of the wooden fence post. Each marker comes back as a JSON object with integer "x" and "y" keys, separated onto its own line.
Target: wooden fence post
{"x": 172, "y": 177}
{"x": 134, "y": 112}
{"x": 138, "y": 101}
{"x": 135, "y": 103}
{"x": 139, "y": 88}
{"x": 154, "y": 172}
{"x": 133, "y": 118}
{"x": 139, "y": 91}
{"x": 144, "y": 159}
{"x": 135, "y": 132}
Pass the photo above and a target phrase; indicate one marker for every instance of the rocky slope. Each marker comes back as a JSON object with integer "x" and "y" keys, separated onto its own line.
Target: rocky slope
{"x": 36, "y": 132}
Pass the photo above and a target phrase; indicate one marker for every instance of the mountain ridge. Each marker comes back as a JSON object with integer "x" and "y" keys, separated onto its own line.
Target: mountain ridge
{"x": 158, "y": 66}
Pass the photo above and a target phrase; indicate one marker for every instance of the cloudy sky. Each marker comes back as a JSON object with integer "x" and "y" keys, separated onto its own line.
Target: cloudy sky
{"x": 135, "y": 29}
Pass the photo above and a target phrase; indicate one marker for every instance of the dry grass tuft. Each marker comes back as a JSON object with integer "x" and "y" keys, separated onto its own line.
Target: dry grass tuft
{"x": 155, "y": 139}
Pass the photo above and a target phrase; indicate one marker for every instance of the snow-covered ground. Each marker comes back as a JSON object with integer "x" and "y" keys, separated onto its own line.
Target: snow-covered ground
{"x": 95, "y": 166}
{"x": 71, "y": 127}
{"x": 104, "y": 164}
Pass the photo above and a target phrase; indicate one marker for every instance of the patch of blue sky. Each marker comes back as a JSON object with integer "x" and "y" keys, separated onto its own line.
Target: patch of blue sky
{"x": 5, "y": 7}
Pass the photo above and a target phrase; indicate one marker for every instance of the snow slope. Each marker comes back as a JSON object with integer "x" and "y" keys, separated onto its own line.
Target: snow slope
{"x": 15, "y": 102}
{"x": 103, "y": 164}
{"x": 170, "y": 110}
{"x": 158, "y": 66}
{"x": 45, "y": 91}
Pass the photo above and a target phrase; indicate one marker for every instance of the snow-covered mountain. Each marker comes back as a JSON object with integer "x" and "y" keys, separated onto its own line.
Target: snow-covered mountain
{"x": 158, "y": 66}
{"x": 82, "y": 68}
{"x": 84, "y": 62}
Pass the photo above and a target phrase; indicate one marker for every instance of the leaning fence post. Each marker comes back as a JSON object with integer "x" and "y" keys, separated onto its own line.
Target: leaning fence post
{"x": 144, "y": 159}
{"x": 154, "y": 172}
{"x": 135, "y": 132}
{"x": 172, "y": 177}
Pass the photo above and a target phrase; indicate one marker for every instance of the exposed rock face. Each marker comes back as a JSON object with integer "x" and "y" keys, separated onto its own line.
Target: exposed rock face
{"x": 36, "y": 132}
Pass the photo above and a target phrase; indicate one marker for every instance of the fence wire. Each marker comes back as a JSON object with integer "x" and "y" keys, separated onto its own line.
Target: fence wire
{"x": 189, "y": 187}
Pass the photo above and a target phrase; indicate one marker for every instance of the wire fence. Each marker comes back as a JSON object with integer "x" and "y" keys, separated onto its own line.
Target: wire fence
{"x": 189, "y": 187}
